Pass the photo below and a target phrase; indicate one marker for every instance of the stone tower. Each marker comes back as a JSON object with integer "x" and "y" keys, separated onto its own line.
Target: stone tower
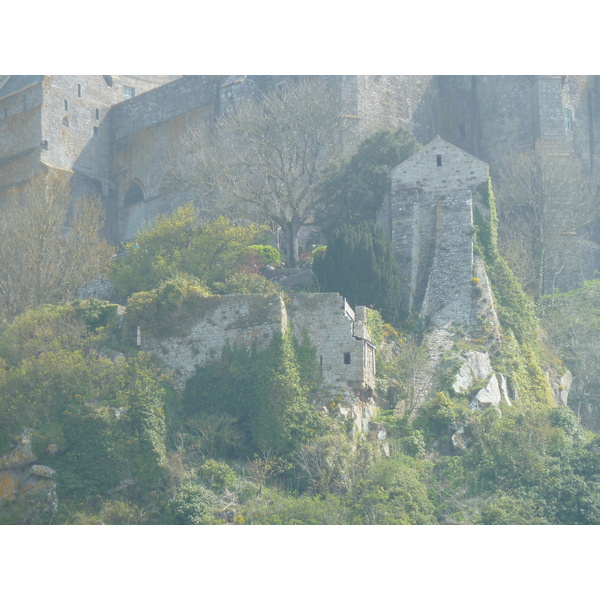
{"x": 429, "y": 217}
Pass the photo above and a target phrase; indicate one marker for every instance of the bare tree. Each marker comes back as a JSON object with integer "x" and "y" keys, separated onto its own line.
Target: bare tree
{"x": 264, "y": 159}
{"x": 405, "y": 373}
{"x": 546, "y": 204}
{"x": 50, "y": 245}
{"x": 265, "y": 466}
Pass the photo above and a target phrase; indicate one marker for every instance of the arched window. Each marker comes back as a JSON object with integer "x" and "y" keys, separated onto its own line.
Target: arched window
{"x": 133, "y": 195}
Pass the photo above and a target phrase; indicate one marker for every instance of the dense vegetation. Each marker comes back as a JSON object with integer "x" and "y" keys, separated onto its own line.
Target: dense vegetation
{"x": 359, "y": 253}
{"x": 352, "y": 190}
{"x": 248, "y": 443}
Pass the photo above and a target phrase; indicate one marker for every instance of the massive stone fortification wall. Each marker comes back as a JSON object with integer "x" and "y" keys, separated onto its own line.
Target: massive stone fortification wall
{"x": 162, "y": 104}
{"x": 74, "y": 110}
{"x": 388, "y": 101}
{"x": 495, "y": 116}
{"x": 497, "y": 113}
{"x": 91, "y": 125}
{"x": 581, "y": 95}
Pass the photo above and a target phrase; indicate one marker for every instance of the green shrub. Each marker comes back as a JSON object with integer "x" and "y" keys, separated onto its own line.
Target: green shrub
{"x": 44, "y": 329}
{"x": 167, "y": 309}
{"x": 219, "y": 476}
{"x": 393, "y": 494}
{"x": 178, "y": 244}
{"x": 261, "y": 390}
{"x": 192, "y": 504}
{"x": 437, "y": 415}
{"x": 275, "y": 508}
{"x": 242, "y": 283}
{"x": 267, "y": 254}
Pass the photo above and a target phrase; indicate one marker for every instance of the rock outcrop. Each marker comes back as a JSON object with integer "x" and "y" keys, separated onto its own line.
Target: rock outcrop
{"x": 20, "y": 476}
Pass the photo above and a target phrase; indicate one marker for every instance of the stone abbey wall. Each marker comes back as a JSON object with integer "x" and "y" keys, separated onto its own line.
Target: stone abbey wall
{"x": 111, "y": 141}
{"x": 85, "y": 125}
{"x": 20, "y": 133}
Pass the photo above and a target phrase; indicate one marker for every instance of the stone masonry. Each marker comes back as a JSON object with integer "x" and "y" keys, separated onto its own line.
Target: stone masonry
{"x": 345, "y": 353}
{"x": 429, "y": 217}
{"x": 115, "y": 132}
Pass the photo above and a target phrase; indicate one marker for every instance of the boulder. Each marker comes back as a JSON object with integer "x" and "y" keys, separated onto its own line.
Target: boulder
{"x": 458, "y": 440}
{"x": 488, "y": 396}
{"x": 504, "y": 390}
{"x": 561, "y": 385}
{"x": 20, "y": 456}
{"x": 18, "y": 476}
{"x": 476, "y": 366}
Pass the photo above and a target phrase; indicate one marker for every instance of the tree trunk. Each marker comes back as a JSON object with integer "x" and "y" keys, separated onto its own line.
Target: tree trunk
{"x": 290, "y": 240}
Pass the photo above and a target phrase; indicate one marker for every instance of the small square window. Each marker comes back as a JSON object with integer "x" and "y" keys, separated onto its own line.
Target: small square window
{"x": 128, "y": 92}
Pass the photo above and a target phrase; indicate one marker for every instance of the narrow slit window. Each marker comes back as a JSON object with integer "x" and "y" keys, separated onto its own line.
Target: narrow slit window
{"x": 346, "y": 358}
{"x": 66, "y": 105}
{"x": 95, "y": 131}
{"x": 568, "y": 119}
{"x": 79, "y": 90}
{"x": 97, "y": 114}
{"x": 439, "y": 160}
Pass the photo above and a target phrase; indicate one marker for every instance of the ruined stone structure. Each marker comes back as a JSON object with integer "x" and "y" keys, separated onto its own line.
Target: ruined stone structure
{"x": 344, "y": 351}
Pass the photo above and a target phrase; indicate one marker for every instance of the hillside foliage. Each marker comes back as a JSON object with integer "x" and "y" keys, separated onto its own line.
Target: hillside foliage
{"x": 359, "y": 264}
{"x": 250, "y": 441}
{"x": 178, "y": 245}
